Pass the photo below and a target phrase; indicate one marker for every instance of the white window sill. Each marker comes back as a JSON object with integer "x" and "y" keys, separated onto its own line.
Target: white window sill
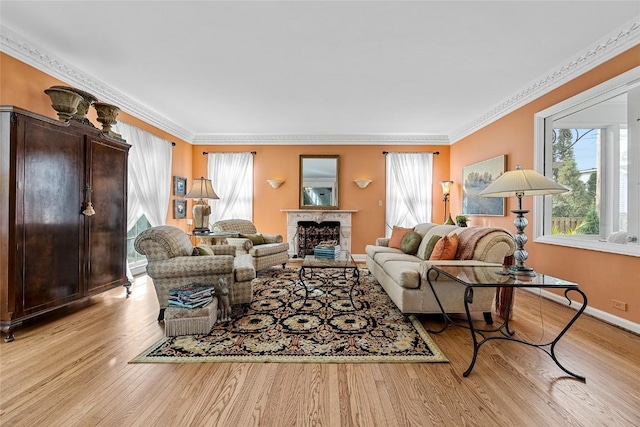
{"x": 631, "y": 249}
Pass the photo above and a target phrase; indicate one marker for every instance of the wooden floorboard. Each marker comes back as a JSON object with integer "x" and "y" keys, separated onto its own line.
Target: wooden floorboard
{"x": 71, "y": 369}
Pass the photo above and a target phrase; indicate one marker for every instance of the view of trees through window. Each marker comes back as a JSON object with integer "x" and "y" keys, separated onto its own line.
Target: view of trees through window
{"x": 139, "y": 227}
{"x": 575, "y": 156}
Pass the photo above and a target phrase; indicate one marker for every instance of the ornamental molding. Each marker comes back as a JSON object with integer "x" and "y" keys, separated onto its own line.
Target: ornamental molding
{"x": 16, "y": 46}
{"x": 31, "y": 54}
{"x": 283, "y": 139}
{"x": 623, "y": 39}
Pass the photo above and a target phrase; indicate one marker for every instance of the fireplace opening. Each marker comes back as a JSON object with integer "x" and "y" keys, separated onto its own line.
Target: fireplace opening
{"x": 310, "y": 233}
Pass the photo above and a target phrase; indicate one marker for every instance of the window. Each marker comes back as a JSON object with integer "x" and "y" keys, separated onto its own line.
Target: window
{"x": 591, "y": 144}
{"x": 134, "y": 259}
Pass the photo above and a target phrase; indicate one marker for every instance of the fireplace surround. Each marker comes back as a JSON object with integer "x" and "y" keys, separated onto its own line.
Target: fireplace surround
{"x": 294, "y": 216}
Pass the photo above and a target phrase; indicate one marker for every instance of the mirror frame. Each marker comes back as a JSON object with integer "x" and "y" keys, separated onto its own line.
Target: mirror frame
{"x": 301, "y": 181}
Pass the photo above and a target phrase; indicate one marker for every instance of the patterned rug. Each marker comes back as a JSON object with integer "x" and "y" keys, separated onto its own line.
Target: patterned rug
{"x": 333, "y": 319}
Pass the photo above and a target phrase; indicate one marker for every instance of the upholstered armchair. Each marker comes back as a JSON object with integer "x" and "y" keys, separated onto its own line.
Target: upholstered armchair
{"x": 266, "y": 250}
{"x": 171, "y": 264}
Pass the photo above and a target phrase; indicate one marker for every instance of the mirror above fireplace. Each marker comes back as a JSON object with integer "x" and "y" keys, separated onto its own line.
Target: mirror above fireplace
{"x": 319, "y": 181}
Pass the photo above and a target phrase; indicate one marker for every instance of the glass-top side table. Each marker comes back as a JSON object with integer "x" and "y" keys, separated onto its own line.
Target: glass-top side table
{"x": 492, "y": 276}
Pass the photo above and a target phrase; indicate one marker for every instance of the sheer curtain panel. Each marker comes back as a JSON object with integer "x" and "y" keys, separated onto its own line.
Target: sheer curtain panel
{"x": 408, "y": 186}
{"x": 232, "y": 178}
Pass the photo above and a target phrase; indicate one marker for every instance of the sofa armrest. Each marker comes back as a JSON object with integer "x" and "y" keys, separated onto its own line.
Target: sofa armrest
{"x": 382, "y": 241}
{"x": 188, "y": 266}
{"x": 241, "y": 244}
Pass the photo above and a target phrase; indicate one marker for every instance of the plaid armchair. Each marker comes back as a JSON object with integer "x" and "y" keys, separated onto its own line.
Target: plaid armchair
{"x": 266, "y": 250}
{"x": 171, "y": 264}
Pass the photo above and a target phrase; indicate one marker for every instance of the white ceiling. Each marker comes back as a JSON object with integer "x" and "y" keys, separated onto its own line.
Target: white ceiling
{"x": 209, "y": 71}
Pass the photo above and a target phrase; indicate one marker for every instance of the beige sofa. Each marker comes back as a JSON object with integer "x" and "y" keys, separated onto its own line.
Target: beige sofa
{"x": 403, "y": 276}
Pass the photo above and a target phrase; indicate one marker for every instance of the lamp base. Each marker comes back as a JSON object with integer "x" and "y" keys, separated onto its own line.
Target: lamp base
{"x": 449, "y": 221}
{"x": 517, "y": 270}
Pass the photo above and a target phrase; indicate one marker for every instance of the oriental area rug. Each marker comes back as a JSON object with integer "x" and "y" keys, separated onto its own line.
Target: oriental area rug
{"x": 311, "y": 321}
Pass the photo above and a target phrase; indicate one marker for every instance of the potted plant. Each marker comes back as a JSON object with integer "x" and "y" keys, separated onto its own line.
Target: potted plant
{"x": 461, "y": 220}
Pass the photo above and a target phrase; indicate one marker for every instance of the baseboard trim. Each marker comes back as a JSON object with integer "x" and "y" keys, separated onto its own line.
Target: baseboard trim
{"x": 598, "y": 314}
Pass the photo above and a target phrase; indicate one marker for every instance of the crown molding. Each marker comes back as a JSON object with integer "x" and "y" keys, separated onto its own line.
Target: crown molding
{"x": 283, "y": 139}
{"x": 623, "y": 38}
{"x": 31, "y": 54}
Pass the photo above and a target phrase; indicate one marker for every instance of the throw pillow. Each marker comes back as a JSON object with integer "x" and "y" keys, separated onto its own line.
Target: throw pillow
{"x": 256, "y": 239}
{"x": 446, "y": 248}
{"x": 410, "y": 243}
{"x": 396, "y": 236}
{"x": 202, "y": 250}
{"x": 428, "y": 249}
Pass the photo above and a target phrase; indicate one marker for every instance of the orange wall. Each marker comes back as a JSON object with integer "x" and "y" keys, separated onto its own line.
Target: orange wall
{"x": 356, "y": 162}
{"x": 603, "y": 276}
{"x": 23, "y": 86}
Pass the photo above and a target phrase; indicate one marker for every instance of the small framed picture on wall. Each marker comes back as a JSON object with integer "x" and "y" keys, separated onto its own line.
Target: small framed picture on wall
{"x": 179, "y": 209}
{"x": 179, "y": 186}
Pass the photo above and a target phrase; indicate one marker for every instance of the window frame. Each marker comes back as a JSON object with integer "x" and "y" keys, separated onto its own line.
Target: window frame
{"x": 543, "y": 164}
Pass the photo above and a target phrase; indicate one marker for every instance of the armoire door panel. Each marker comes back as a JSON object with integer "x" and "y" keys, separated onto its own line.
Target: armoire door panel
{"x": 50, "y": 187}
{"x": 108, "y": 193}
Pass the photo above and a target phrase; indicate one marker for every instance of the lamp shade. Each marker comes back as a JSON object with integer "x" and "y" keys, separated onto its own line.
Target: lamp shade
{"x": 524, "y": 181}
{"x": 201, "y": 189}
{"x": 446, "y": 187}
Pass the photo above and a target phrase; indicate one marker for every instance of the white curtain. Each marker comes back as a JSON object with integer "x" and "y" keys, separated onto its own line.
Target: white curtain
{"x": 232, "y": 177}
{"x": 408, "y": 186}
{"x": 149, "y": 169}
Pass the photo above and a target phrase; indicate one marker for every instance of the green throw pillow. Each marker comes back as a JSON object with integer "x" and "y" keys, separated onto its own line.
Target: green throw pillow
{"x": 257, "y": 239}
{"x": 410, "y": 242}
{"x": 202, "y": 250}
{"x": 430, "y": 245}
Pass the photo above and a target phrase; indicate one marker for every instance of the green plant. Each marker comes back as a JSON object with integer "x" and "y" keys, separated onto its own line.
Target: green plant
{"x": 461, "y": 218}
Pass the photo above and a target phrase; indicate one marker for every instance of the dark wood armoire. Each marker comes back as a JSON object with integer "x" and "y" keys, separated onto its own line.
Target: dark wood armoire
{"x": 53, "y": 250}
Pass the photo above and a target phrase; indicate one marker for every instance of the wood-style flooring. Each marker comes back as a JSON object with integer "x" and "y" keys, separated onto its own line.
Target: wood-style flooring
{"x": 71, "y": 369}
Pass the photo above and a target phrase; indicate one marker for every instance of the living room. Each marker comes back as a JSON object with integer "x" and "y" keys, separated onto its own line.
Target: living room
{"x": 511, "y": 134}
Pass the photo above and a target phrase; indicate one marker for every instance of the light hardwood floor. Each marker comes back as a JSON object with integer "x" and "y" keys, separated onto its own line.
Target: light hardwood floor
{"x": 73, "y": 370}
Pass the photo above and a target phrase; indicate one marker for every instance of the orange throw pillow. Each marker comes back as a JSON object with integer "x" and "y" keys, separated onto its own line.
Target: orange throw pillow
{"x": 446, "y": 248}
{"x": 396, "y": 236}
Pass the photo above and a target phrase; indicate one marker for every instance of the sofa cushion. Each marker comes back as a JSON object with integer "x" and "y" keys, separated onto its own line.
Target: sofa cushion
{"x": 410, "y": 243}
{"x": 383, "y": 257}
{"x": 446, "y": 248}
{"x": 396, "y": 236}
{"x": 426, "y": 246}
{"x": 405, "y": 273}
{"x": 372, "y": 250}
{"x": 424, "y": 228}
{"x": 268, "y": 249}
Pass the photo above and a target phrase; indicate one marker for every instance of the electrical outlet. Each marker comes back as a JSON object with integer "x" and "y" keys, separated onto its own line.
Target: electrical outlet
{"x": 619, "y": 305}
{"x": 189, "y": 221}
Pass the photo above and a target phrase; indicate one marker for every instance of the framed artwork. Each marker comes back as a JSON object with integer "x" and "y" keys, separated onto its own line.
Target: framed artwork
{"x": 179, "y": 209}
{"x": 477, "y": 177}
{"x": 179, "y": 186}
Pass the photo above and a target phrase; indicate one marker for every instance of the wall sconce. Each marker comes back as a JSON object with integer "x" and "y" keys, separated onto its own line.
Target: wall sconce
{"x": 362, "y": 183}
{"x": 275, "y": 183}
{"x": 446, "y": 191}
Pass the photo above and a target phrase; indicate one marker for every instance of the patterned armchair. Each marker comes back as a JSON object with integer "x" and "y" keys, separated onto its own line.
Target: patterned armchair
{"x": 171, "y": 265}
{"x": 266, "y": 250}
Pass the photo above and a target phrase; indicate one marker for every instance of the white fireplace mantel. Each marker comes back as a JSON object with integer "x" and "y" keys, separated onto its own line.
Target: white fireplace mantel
{"x": 318, "y": 215}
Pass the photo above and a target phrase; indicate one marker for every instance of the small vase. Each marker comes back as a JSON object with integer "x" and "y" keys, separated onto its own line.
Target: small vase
{"x": 64, "y": 101}
{"x": 461, "y": 224}
{"x": 107, "y": 114}
{"x": 83, "y": 106}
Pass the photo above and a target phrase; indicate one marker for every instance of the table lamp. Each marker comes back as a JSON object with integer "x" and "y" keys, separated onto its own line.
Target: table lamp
{"x": 519, "y": 183}
{"x": 202, "y": 190}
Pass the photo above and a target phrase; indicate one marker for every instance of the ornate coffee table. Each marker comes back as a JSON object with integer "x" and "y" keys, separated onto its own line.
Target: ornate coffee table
{"x": 311, "y": 264}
